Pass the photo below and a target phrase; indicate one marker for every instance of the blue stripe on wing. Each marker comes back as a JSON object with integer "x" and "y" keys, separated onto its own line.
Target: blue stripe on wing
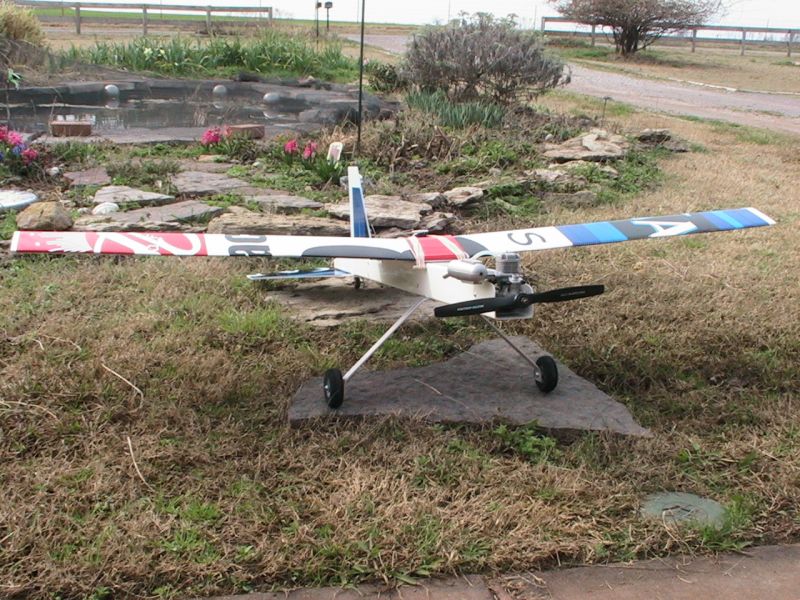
{"x": 358, "y": 214}
{"x": 606, "y": 232}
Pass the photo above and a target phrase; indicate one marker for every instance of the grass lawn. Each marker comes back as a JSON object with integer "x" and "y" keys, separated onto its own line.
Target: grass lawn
{"x": 144, "y": 449}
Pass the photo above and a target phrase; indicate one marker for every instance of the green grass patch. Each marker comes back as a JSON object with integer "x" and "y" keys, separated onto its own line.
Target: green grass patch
{"x": 8, "y": 225}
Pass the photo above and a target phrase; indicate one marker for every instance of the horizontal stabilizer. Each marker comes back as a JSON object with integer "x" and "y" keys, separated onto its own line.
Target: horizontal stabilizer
{"x": 298, "y": 274}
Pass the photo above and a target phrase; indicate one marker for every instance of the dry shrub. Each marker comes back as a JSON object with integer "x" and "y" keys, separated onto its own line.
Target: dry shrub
{"x": 482, "y": 57}
{"x": 20, "y": 24}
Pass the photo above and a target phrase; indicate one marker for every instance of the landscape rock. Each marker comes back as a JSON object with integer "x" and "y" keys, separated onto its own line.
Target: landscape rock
{"x": 436, "y": 200}
{"x": 122, "y": 194}
{"x": 95, "y": 176}
{"x": 199, "y": 183}
{"x": 46, "y": 216}
{"x": 188, "y": 210}
{"x": 205, "y": 166}
{"x": 105, "y": 208}
{"x": 461, "y": 197}
{"x": 578, "y": 164}
{"x": 438, "y": 222}
{"x": 284, "y": 204}
{"x": 386, "y": 211}
{"x": 598, "y": 145}
{"x": 245, "y": 221}
{"x": 107, "y": 223}
{"x": 662, "y": 138}
{"x": 582, "y": 199}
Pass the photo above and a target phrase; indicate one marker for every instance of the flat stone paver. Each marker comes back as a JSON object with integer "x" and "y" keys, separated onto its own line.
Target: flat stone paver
{"x": 122, "y": 194}
{"x": 187, "y": 210}
{"x": 489, "y": 382}
{"x": 201, "y": 183}
{"x": 94, "y": 176}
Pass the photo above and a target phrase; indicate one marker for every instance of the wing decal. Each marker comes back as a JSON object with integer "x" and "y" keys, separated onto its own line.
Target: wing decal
{"x": 607, "y": 232}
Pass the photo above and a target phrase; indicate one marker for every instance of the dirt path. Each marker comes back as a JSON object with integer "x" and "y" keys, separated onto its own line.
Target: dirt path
{"x": 770, "y": 111}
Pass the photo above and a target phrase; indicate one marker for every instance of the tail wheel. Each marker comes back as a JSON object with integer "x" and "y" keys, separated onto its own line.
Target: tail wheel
{"x": 546, "y": 376}
{"x": 333, "y": 388}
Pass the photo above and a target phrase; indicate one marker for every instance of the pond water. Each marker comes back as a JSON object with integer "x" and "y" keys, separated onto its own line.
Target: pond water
{"x": 199, "y": 110}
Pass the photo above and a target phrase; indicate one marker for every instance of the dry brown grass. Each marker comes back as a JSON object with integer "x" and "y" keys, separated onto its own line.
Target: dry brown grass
{"x": 699, "y": 336}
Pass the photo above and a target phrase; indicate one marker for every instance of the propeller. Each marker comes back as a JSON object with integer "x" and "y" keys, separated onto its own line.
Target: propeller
{"x": 484, "y": 305}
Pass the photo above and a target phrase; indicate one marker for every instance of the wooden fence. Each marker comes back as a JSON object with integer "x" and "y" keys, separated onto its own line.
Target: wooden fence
{"x": 791, "y": 34}
{"x": 144, "y": 9}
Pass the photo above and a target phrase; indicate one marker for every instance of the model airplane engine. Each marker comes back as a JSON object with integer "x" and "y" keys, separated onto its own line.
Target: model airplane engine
{"x": 509, "y": 282}
{"x": 506, "y": 277}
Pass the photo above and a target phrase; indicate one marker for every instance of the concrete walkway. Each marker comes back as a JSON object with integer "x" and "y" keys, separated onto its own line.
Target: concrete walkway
{"x": 769, "y": 572}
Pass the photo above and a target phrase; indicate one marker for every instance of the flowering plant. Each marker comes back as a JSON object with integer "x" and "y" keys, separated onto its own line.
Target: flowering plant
{"x": 15, "y": 154}
{"x": 327, "y": 169}
{"x": 215, "y": 135}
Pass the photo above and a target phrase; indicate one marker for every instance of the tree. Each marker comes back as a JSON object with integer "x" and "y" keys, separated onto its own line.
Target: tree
{"x": 479, "y": 56}
{"x": 635, "y": 24}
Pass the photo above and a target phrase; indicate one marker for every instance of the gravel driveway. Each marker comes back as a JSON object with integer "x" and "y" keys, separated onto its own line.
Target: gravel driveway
{"x": 779, "y": 112}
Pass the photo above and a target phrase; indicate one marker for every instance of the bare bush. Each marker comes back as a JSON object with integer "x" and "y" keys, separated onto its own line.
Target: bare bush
{"x": 479, "y": 56}
{"x": 19, "y": 24}
{"x": 635, "y": 24}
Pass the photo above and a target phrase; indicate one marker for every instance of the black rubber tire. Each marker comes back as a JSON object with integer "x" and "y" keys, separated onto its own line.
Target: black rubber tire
{"x": 547, "y": 378}
{"x": 333, "y": 388}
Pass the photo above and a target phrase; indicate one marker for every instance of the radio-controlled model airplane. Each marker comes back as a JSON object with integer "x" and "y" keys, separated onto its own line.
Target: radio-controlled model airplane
{"x": 444, "y": 268}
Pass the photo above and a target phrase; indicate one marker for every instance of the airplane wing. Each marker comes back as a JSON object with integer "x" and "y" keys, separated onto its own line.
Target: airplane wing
{"x": 421, "y": 249}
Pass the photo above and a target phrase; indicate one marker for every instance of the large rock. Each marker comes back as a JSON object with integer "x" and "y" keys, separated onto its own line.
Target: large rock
{"x": 199, "y": 183}
{"x": 95, "y": 176}
{"x": 244, "y": 221}
{"x": 122, "y": 194}
{"x": 461, "y": 197}
{"x": 437, "y": 200}
{"x": 598, "y": 145}
{"x": 188, "y": 210}
{"x": 580, "y": 164}
{"x": 467, "y": 389}
{"x": 44, "y": 216}
{"x": 107, "y": 223}
{"x": 438, "y": 222}
{"x": 387, "y": 211}
{"x": 281, "y": 203}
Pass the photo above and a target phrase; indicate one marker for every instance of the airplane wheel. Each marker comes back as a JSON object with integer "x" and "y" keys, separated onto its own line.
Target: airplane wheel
{"x": 546, "y": 376}
{"x": 333, "y": 387}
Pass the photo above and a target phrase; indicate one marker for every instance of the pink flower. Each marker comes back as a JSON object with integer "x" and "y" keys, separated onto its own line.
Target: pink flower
{"x": 3, "y": 133}
{"x": 310, "y": 150}
{"x": 290, "y": 147}
{"x": 14, "y": 138}
{"x": 211, "y": 136}
{"x": 29, "y": 155}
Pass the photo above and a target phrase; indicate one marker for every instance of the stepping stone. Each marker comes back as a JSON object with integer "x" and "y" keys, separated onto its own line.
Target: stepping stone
{"x": 386, "y": 211}
{"x": 95, "y": 176}
{"x": 121, "y": 194}
{"x": 242, "y": 221}
{"x": 284, "y": 204}
{"x": 16, "y": 199}
{"x": 198, "y": 183}
{"x": 487, "y": 383}
{"x": 677, "y": 508}
{"x": 205, "y": 166}
{"x": 188, "y": 210}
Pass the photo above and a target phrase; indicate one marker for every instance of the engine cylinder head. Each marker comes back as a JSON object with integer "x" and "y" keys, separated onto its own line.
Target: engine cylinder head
{"x": 508, "y": 263}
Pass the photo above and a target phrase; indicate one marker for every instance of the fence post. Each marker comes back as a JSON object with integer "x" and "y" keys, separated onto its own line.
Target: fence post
{"x": 744, "y": 39}
{"x": 694, "y": 39}
{"x": 593, "y": 30}
{"x": 78, "y": 19}
{"x": 270, "y": 16}
{"x": 208, "y": 19}
{"x": 144, "y": 19}
{"x": 544, "y": 23}
{"x": 789, "y": 43}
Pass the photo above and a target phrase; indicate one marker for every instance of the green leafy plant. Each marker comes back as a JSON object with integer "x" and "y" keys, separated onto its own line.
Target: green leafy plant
{"x": 457, "y": 115}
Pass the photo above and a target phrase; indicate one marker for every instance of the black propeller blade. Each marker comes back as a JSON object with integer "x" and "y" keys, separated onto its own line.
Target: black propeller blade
{"x": 484, "y": 305}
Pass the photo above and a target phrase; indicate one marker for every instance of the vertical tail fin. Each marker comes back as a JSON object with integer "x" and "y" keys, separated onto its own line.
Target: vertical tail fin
{"x": 359, "y": 224}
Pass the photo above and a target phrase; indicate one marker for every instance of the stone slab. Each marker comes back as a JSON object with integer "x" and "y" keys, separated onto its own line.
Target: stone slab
{"x": 122, "y": 194}
{"x": 188, "y": 210}
{"x": 489, "y": 382}
{"x": 200, "y": 183}
{"x": 284, "y": 204}
{"x": 206, "y": 166}
{"x": 95, "y": 176}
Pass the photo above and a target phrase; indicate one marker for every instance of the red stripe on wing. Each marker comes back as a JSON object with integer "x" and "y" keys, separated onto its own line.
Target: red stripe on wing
{"x": 434, "y": 249}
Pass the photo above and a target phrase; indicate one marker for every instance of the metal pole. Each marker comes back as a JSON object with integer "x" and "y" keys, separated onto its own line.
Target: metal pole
{"x": 327, "y": 20}
{"x": 744, "y": 38}
{"x": 789, "y": 44}
{"x": 144, "y": 20}
{"x": 594, "y": 27}
{"x": 78, "y": 19}
{"x": 360, "y": 82}
{"x": 694, "y": 39}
